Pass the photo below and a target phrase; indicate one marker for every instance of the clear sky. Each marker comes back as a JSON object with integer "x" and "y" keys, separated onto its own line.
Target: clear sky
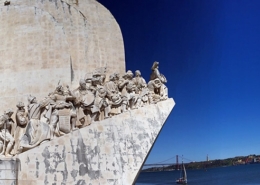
{"x": 209, "y": 51}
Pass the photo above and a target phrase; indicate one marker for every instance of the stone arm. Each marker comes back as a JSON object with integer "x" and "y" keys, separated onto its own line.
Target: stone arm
{"x": 43, "y": 103}
{"x": 62, "y": 105}
{"x": 78, "y": 100}
{"x": 122, "y": 83}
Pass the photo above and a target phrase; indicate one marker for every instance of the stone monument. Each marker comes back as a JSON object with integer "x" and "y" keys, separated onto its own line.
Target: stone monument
{"x": 80, "y": 119}
{"x": 44, "y": 42}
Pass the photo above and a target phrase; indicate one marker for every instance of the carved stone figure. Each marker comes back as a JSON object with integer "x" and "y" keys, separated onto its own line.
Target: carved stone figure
{"x": 63, "y": 116}
{"x": 113, "y": 95}
{"x": 21, "y": 123}
{"x": 134, "y": 100}
{"x": 83, "y": 102}
{"x": 139, "y": 81}
{"x": 154, "y": 87}
{"x": 156, "y": 75}
{"x": 122, "y": 83}
{"x": 141, "y": 87}
{"x": 116, "y": 77}
{"x": 6, "y": 136}
{"x": 100, "y": 103}
{"x": 36, "y": 130}
{"x": 63, "y": 111}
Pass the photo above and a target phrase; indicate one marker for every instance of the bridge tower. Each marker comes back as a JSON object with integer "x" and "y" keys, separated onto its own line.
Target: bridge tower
{"x": 177, "y": 162}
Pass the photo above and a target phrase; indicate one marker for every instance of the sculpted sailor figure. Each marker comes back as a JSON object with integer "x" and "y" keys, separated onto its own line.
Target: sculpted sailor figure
{"x": 95, "y": 81}
{"x": 100, "y": 103}
{"x": 116, "y": 78}
{"x": 21, "y": 123}
{"x": 134, "y": 100}
{"x": 63, "y": 117}
{"x": 122, "y": 82}
{"x": 84, "y": 100}
{"x": 154, "y": 87}
{"x": 163, "y": 90}
{"x": 6, "y": 137}
{"x": 139, "y": 81}
{"x": 156, "y": 74}
{"x": 113, "y": 95}
{"x": 141, "y": 87}
{"x": 36, "y": 130}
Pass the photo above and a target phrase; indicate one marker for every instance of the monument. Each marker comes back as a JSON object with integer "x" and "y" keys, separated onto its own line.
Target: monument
{"x": 71, "y": 113}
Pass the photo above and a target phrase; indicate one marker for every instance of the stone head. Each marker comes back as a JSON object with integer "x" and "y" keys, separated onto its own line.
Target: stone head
{"x": 112, "y": 77}
{"x": 129, "y": 74}
{"x": 32, "y": 99}
{"x": 9, "y": 112}
{"x": 117, "y": 76}
{"x": 82, "y": 84}
{"x": 20, "y": 105}
{"x": 96, "y": 79}
{"x": 137, "y": 73}
{"x": 102, "y": 92}
{"x": 155, "y": 65}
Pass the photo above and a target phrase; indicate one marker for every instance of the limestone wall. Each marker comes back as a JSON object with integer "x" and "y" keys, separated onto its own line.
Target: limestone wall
{"x": 8, "y": 171}
{"x": 109, "y": 152}
{"x": 44, "y": 41}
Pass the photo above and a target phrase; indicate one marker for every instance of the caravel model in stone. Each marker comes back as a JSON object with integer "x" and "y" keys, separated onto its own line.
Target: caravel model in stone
{"x": 98, "y": 133}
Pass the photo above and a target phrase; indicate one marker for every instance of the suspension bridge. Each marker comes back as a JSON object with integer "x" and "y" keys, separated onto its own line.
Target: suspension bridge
{"x": 168, "y": 162}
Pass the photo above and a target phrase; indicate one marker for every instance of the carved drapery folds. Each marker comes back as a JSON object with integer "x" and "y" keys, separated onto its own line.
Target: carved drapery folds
{"x": 63, "y": 110}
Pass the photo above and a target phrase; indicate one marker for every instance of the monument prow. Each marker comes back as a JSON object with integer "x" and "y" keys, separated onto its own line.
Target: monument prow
{"x": 111, "y": 151}
{"x": 80, "y": 119}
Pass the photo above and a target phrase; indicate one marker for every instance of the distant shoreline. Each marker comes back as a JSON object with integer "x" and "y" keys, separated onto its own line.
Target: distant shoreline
{"x": 239, "y": 160}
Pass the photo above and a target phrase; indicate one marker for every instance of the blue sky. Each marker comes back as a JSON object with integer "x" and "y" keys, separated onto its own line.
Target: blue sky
{"x": 209, "y": 50}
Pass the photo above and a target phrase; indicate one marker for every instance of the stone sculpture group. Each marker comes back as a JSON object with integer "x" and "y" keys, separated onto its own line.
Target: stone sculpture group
{"x": 63, "y": 110}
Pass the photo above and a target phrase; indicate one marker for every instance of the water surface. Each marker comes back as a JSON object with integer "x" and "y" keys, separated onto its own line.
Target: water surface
{"x": 232, "y": 175}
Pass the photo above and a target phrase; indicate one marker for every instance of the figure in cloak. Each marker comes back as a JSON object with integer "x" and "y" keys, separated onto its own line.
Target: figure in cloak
{"x": 36, "y": 130}
{"x": 84, "y": 99}
{"x": 128, "y": 91}
{"x": 21, "y": 123}
{"x": 139, "y": 81}
{"x": 154, "y": 87}
{"x": 63, "y": 116}
{"x": 6, "y": 135}
{"x": 156, "y": 75}
{"x": 141, "y": 87}
{"x": 113, "y": 94}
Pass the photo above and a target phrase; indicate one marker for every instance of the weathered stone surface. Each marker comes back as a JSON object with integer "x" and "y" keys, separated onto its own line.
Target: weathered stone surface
{"x": 45, "y": 41}
{"x": 47, "y": 45}
{"x": 8, "y": 171}
{"x": 111, "y": 151}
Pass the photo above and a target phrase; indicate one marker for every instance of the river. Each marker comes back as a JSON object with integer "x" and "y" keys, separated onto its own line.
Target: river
{"x": 231, "y": 175}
